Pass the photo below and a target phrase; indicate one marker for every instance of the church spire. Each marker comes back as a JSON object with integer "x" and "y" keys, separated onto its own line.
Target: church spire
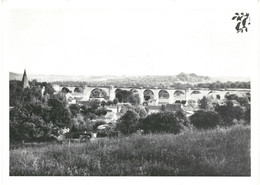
{"x": 25, "y": 82}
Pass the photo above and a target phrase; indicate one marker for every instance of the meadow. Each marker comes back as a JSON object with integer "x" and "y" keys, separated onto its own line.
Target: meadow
{"x": 214, "y": 152}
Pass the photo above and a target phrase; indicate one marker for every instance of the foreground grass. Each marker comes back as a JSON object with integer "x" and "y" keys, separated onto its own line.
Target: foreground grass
{"x": 194, "y": 153}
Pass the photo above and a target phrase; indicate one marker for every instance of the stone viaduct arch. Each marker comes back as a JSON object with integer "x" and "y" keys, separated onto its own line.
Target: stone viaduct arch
{"x": 109, "y": 91}
{"x": 196, "y": 95}
{"x": 217, "y": 94}
{"x": 78, "y": 90}
{"x": 164, "y": 96}
{"x": 98, "y": 93}
{"x": 179, "y": 95}
{"x": 148, "y": 94}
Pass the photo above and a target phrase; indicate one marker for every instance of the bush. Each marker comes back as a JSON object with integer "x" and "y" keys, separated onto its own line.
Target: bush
{"x": 166, "y": 122}
{"x": 205, "y": 119}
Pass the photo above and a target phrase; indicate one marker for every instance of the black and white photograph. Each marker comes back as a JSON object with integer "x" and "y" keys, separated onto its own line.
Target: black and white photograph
{"x": 131, "y": 88}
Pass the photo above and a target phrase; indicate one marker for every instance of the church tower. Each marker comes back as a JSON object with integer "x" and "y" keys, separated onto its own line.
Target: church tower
{"x": 25, "y": 82}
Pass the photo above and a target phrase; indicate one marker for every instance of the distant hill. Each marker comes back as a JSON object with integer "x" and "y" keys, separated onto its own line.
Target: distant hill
{"x": 54, "y": 78}
{"x": 135, "y": 80}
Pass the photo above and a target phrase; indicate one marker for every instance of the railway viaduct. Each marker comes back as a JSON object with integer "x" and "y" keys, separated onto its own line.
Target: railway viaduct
{"x": 159, "y": 95}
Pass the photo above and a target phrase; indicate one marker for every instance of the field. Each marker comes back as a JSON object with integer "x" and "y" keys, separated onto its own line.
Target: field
{"x": 193, "y": 153}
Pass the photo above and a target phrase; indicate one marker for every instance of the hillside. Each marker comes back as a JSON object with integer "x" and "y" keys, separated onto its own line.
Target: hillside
{"x": 182, "y": 77}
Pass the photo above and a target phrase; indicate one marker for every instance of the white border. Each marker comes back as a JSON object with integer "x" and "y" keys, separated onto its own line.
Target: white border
{"x": 6, "y": 179}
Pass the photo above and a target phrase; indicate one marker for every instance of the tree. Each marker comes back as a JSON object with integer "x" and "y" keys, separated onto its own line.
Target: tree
{"x": 48, "y": 88}
{"x": 28, "y": 126}
{"x": 88, "y": 113}
{"x": 127, "y": 96}
{"x": 74, "y": 109}
{"x": 182, "y": 118}
{"x": 203, "y": 103}
{"x": 228, "y": 113}
{"x": 139, "y": 110}
{"x": 30, "y": 118}
{"x": 162, "y": 122}
{"x": 94, "y": 104}
{"x": 231, "y": 97}
{"x": 122, "y": 95}
{"x": 16, "y": 92}
{"x": 203, "y": 119}
{"x": 128, "y": 123}
{"x": 59, "y": 113}
{"x": 134, "y": 99}
{"x": 243, "y": 100}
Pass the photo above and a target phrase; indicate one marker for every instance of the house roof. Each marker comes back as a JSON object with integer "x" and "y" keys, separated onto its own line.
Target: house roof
{"x": 153, "y": 107}
{"x": 173, "y": 107}
{"x": 188, "y": 108}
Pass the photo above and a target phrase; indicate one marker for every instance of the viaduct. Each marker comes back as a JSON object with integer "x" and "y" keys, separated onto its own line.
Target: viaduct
{"x": 159, "y": 95}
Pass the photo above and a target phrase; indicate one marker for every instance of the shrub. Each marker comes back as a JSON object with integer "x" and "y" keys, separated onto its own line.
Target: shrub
{"x": 166, "y": 122}
{"x": 205, "y": 119}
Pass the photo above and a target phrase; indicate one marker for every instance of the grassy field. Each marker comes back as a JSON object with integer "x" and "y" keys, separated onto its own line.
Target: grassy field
{"x": 194, "y": 153}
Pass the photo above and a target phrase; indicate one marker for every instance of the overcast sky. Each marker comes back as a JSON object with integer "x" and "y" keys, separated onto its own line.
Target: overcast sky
{"x": 144, "y": 37}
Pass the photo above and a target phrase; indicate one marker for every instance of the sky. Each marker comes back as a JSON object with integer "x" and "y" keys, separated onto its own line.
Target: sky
{"x": 145, "y": 37}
